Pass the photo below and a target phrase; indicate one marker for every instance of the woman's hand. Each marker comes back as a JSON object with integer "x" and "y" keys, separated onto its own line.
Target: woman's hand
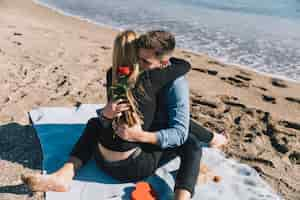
{"x": 136, "y": 134}
{"x": 114, "y": 108}
{"x": 131, "y": 134}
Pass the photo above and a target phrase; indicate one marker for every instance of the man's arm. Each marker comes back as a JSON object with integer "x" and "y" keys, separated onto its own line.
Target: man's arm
{"x": 178, "y": 109}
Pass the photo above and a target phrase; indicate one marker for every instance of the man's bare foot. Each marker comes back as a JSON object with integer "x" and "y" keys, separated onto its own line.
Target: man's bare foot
{"x": 219, "y": 140}
{"x": 45, "y": 183}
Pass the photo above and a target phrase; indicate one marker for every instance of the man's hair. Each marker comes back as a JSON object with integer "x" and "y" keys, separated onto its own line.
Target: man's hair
{"x": 162, "y": 42}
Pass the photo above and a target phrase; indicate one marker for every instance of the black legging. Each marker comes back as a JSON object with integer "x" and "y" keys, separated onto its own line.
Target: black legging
{"x": 144, "y": 161}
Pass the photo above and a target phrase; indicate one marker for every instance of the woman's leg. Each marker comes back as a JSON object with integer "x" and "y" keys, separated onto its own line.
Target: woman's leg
{"x": 137, "y": 167}
{"x": 60, "y": 180}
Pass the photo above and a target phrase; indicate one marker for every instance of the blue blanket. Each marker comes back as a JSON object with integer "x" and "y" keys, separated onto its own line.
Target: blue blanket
{"x": 59, "y": 128}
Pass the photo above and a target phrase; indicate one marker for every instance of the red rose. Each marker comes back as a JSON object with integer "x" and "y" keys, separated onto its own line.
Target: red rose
{"x": 124, "y": 70}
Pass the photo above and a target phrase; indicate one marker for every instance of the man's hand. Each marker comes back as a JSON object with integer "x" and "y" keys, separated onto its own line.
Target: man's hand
{"x": 114, "y": 108}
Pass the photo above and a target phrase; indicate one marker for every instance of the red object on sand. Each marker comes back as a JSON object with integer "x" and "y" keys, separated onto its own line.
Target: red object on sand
{"x": 143, "y": 191}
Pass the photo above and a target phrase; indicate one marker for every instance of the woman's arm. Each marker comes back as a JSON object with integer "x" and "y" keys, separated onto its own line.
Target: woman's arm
{"x": 160, "y": 77}
{"x": 112, "y": 108}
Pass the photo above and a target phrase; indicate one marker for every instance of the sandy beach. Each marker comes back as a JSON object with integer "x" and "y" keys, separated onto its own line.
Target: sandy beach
{"x": 48, "y": 59}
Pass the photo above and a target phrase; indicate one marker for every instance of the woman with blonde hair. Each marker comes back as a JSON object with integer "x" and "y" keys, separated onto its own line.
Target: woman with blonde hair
{"x": 132, "y": 93}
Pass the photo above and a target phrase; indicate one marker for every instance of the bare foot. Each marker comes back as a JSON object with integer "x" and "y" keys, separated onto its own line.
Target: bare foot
{"x": 45, "y": 183}
{"x": 219, "y": 140}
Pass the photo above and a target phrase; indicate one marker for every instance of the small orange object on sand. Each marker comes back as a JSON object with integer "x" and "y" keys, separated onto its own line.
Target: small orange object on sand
{"x": 217, "y": 179}
{"x": 143, "y": 191}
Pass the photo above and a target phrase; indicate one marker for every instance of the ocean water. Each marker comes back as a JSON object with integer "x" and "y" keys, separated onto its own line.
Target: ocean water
{"x": 261, "y": 34}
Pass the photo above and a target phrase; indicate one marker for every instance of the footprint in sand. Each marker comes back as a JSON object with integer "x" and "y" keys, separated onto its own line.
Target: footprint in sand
{"x": 292, "y": 99}
{"x": 105, "y": 47}
{"x": 209, "y": 107}
{"x": 278, "y": 83}
{"x": 94, "y": 58}
{"x": 204, "y": 102}
{"x": 212, "y": 72}
{"x": 22, "y": 94}
{"x": 61, "y": 81}
{"x": 279, "y": 144}
{"x": 199, "y": 70}
{"x": 237, "y": 82}
{"x": 292, "y": 125}
{"x": 66, "y": 93}
{"x": 249, "y": 138}
{"x": 234, "y": 104}
{"x": 228, "y": 98}
{"x": 214, "y": 62}
{"x": 294, "y": 157}
{"x": 237, "y": 120}
{"x": 232, "y": 101}
{"x": 206, "y": 71}
{"x": 245, "y": 78}
{"x": 261, "y": 88}
{"x": 269, "y": 99}
{"x": 5, "y": 100}
{"x": 83, "y": 37}
{"x": 55, "y": 69}
{"x": 17, "y": 43}
{"x": 244, "y": 73}
{"x": 17, "y": 34}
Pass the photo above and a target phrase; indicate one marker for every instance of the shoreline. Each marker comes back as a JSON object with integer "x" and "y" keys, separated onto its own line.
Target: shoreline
{"x": 102, "y": 25}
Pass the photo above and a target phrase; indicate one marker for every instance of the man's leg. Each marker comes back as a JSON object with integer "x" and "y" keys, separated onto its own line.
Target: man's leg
{"x": 60, "y": 180}
{"x": 214, "y": 140}
{"x": 190, "y": 155}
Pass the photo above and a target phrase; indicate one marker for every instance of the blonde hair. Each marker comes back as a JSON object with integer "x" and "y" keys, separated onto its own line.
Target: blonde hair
{"x": 125, "y": 54}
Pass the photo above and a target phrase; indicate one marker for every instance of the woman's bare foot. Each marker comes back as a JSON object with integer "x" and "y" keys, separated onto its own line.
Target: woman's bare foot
{"x": 45, "y": 183}
{"x": 219, "y": 140}
{"x": 58, "y": 181}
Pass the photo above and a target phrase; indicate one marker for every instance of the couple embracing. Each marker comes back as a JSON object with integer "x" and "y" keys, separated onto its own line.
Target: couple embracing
{"x": 145, "y": 122}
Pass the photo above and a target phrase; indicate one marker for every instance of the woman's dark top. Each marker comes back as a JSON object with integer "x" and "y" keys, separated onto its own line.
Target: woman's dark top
{"x": 151, "y": 81}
